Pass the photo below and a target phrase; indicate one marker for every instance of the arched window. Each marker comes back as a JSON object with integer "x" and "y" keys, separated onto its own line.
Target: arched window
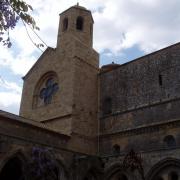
{"x": 116, "y": 149}
{"x": 173, "y": 176}
{"x": 79, "y": 23}
{"x": 46, "y": 90}
{"x": 65, "y": 24}
{"x": 107, "y": 106}
{"x": 170, "y": 141}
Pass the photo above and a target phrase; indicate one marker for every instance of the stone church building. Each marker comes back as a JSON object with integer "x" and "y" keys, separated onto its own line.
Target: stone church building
{"x": 117, "y": 122}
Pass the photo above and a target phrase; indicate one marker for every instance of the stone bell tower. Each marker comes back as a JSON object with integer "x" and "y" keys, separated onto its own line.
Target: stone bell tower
{"x": 61, "y": 89}
{"x": 76, "y": 22}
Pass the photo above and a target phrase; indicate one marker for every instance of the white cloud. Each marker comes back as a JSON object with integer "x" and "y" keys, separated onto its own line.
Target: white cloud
{"x": 13, "y": 87}
{"x": 10, "y": 96}
{"x": 9, "y": 99}
{"x": 150, "y": 24}
{"x": 18, "y": 64}
{"x": 10, "y": 102}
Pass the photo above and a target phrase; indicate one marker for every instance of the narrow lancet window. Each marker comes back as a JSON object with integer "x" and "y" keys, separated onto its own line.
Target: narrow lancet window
{"x": 107, "y": 106}
{"x": 160, "y": 79}
{"x": 65, "y": 24}
{"x": 79, "y": 23}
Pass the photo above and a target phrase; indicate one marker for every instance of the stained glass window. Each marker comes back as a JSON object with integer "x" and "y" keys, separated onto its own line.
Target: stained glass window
{"x": 48, "y": 91}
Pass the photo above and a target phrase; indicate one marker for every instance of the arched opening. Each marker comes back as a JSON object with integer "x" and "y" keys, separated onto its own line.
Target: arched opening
{"x": 65, "y": 24}
{"x": 12, "y": 170}
{"x": 107, "y": 106}
{"x": 173, "y": 176}
{"x": 79, "y": 23}
{"x": 45, "y": 92}
{"x": 116, "y": 149}
{"x": 166, "y": 168}
{"x": 170, "y": 141}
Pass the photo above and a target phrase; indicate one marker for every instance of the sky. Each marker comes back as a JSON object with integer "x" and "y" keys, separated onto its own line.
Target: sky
{"x": 124, "y": 30}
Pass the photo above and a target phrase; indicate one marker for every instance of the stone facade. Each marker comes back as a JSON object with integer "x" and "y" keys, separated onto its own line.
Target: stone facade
{"x": 117, "y": 122}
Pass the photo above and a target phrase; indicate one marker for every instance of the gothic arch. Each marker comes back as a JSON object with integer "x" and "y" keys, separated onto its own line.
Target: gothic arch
{"x": 13, "y": 166}
{"x": 164, "y": 164}
{"x": 37, "y": 100}
{"x": 115, "y": 171}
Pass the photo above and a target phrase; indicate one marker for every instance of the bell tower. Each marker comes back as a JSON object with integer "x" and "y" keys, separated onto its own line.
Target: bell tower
{"x": 61, "y": 89}
{"x": 76, "y": 22}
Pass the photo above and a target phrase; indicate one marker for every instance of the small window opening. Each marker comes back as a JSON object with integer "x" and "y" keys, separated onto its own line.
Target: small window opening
{"x": 79, "y": 23}
{"x": 160, "y": 79}
{"x": 173, "y": 176}
{"x": 65, "y": 24}
{"x": 170, "y": 141}
{"x": 116, "y": 149}
{"x": 107, "y": 106}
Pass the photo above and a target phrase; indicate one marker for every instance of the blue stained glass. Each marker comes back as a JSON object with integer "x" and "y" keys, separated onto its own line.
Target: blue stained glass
{"x": 47, "y": 93}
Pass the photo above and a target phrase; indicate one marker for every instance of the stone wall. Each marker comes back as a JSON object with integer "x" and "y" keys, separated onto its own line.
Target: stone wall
{"x": 143, "y": 91}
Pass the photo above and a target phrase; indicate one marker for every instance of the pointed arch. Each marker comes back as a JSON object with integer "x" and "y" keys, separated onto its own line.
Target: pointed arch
{"x": 13, "y": 166}
{"x": 116, "y": 171}
{"x": 164, "y": 164}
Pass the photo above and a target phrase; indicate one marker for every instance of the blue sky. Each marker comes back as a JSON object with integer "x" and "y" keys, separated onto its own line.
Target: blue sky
{"x": 123, "y": 30}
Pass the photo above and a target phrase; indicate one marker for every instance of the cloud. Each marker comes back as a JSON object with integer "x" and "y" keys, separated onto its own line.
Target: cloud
{"x": 10, "y": 96}
{"x": 18, "y": 64}
{"x": 10, "y": 101}
{"x": 10, "y": 86}
{"x": 150, "y": 24}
